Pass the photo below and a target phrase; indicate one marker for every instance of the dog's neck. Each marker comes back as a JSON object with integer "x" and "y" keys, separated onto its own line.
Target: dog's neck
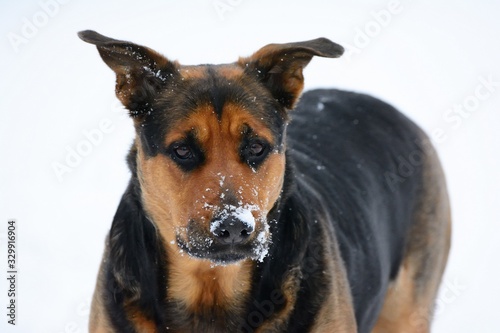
{"x": 203, "y": 287}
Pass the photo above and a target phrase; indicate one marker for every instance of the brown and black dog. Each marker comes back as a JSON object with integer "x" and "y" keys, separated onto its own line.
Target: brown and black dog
{"x": 238, "y": 220}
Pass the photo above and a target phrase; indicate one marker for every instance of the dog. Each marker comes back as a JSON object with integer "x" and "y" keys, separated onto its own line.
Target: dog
{"x": 237, "y": 219}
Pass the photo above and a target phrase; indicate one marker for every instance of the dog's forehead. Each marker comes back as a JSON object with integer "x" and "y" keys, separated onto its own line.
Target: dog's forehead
{"x": 234, "y": 123}
{"x": 210, "y": 71}
{"x": 216, "y": 85}
{"x": 217, "y": 91}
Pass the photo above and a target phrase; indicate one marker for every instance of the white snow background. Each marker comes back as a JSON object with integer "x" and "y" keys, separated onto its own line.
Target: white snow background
{"x": 425, "y": 57}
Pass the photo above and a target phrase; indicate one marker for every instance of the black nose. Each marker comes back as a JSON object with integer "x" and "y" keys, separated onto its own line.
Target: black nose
{"x": 231, "y": 230}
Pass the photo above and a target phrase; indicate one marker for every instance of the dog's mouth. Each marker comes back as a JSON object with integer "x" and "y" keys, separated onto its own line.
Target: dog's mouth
{"x": 219, "y": 247}
{"x": 221, "y": 254}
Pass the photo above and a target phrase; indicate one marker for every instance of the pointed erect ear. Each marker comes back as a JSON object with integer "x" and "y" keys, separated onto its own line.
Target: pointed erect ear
{"x": 279, "y": 66}
{"x": 140, "y": 71}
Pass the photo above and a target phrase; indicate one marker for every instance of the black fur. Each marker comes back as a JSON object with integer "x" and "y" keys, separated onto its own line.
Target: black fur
{"x": 342, "y": 145}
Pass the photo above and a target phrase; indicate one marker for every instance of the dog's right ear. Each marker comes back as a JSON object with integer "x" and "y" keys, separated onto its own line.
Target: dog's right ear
{"x": 140, "y": 71}
{"x": 279, "y": 66}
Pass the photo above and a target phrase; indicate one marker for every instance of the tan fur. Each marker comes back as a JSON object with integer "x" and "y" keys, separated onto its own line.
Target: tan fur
{"x": 272, "y": 57}
{"x": 192, "y": 72}
{"x": 409, "y": 302}
{"x": 337, "y": 312}
{"x": 231, "y": 71}
{"x": 172, "y": 198}
{"x": 201, "y": 286}
{"x": 98, "y": 321}
{"x": 141, "y": 323}
{"x": 399, "y": 305}
{"x": 289, "y": 290}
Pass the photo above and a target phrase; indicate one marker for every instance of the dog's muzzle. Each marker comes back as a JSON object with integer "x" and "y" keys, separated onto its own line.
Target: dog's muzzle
{"x": 233, "y": 235}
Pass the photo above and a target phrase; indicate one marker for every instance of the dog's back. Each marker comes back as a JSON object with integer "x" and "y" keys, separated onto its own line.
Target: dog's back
{"x": 378, "y": 178}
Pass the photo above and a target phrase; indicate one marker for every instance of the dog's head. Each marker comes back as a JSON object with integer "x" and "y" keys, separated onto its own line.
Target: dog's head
{"x": 210, "y": 140}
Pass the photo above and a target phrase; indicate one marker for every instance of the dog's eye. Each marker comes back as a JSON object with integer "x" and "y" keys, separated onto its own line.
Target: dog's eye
{"x": 187, "y": 156}
{"x": 254, "y": 152}
{"x": 256, "y": 149}
{"x": 187, "y": 153}
{"x": 183, "y": 152}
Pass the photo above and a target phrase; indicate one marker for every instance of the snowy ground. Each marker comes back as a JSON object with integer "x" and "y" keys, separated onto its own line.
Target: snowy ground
{"x": 438, "y": 61}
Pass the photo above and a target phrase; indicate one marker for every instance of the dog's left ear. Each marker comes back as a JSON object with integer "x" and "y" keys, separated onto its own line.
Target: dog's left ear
{"x": 140, "y": 71}
{"x": 279, "y": 66}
